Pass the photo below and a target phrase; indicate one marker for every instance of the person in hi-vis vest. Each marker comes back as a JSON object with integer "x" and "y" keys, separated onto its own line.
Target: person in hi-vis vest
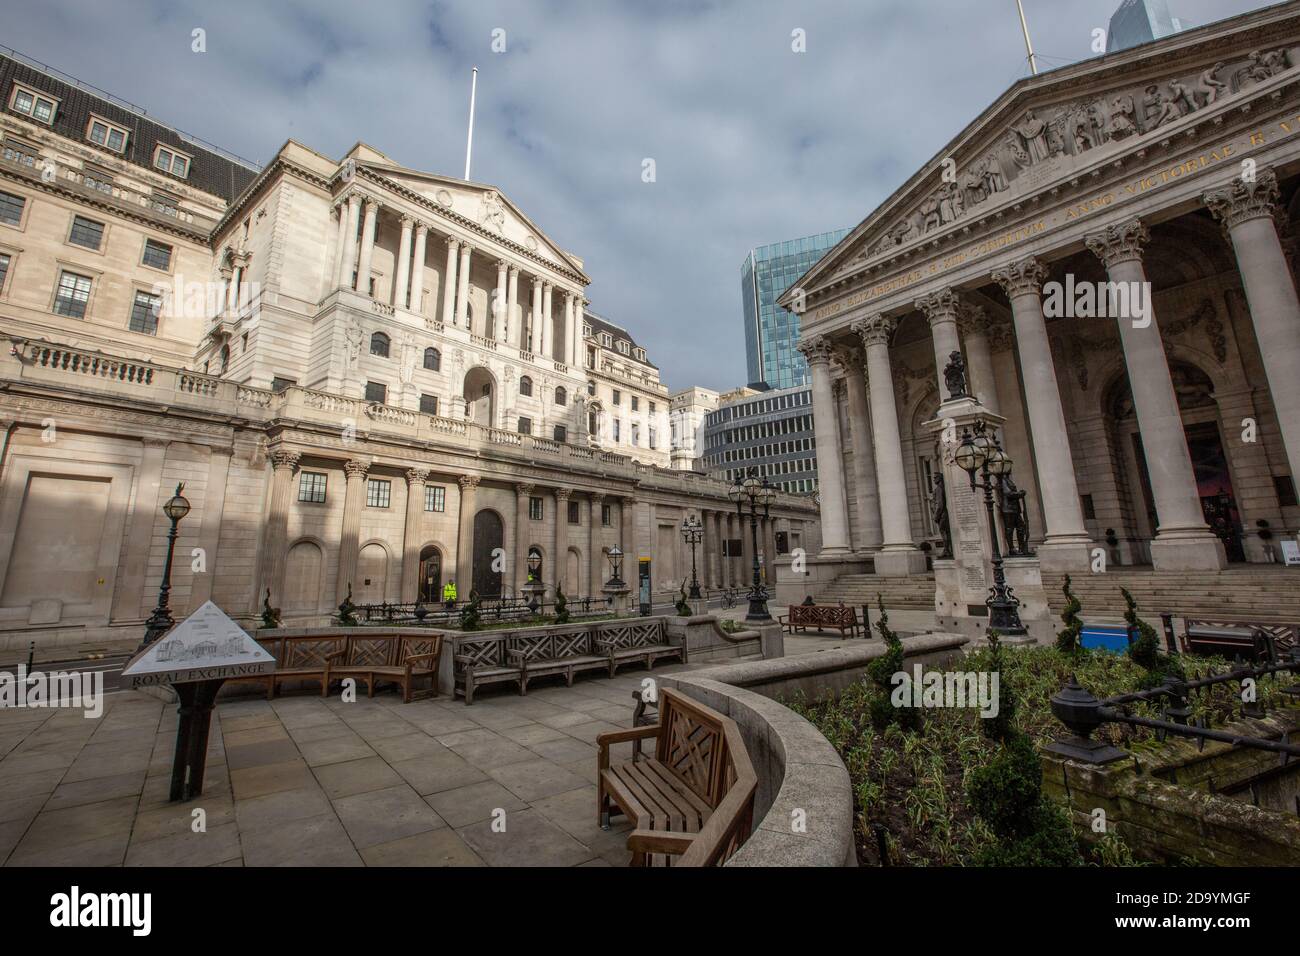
{"x": 449, "y": 594}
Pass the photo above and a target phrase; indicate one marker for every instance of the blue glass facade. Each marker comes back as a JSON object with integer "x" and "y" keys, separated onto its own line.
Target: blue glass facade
{"x": 771, "y": 332}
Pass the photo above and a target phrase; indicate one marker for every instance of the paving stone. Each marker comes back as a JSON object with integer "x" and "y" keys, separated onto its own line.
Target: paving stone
{"x": 103, "y": 851}
{"x": 496, "y": 752}
{"x": 335, "y": 750}
{"x": 437, "y": 723}
{"x": 442, "y": 847}
{"x": 325, "y": 730}
{"x": 565, "y": 720}
{"x": 438, "y": 772}
{"x": 271, "y": 778}
{"x": 531, "y": 780}
{"x": 574, "y": 812}
{"x": 260, "y": 754}
{"x": 275, "y": 809}
{"x": 529, "y": 840}
{"x": 356, "y": 776}
{"x": 94, "y": 791}
{"x": 60, "y": 828}
{"x": 312, "y": 841}
{"x": 497, "y": 717}
{"x": 38, "y": 761}
{"x": 255, "y": 735}
{"x": 394, "y": 749}
{"x": 177, "y": 819}
{"x": 478, "y": 801}
{"x": 381, "y": 816}
{"x": 235, "y": 724}
{"x": 217, "y": 845}
{"x": 566, "y": 750}
{"x": 532, "y": 733}
{"x": 21, "y": 808}
{"x": 589, "y": 732}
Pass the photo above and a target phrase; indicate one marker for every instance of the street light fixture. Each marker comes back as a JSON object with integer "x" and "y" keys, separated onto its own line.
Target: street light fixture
{"x": 161, "y": 621}
{"x": 693, "y": 534}
{"x": 615, "y": 556}
{"x": 980, "y": 453}
{"x": 757, "y": 494}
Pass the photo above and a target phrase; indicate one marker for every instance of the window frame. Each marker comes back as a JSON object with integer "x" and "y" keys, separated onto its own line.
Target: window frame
{"x": 376, "y": 401}
{"x": 385, "y": 341}
{"x": 170, "y": 170}
{"x": 435, "y": 496}
{"x": 157, "y": 315}
{"x": 58, "y": 284}
{"x": 21, "y": 224}
{"x": 525, "y": 386}
{"x": 377, "y": 489}
{"x": 431, "y": 398}
{"x": 437, "y": 359}
{"x": 12, "y": 257}
{"x": 36, "y": 95}
{"x": 144, "y": 255}
{"x": 110, "y": 128}
{"x": 323, "y": 486}
{"x": 77, "y": 218}
{"x": 536, "y": 508}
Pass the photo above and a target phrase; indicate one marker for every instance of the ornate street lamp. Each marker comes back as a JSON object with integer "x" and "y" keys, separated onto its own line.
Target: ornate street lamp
{"x": 757, "y": 494}
{"x": 978, "y": 453}
{"x": 534, "y": 585}
{"x": 160, "y": 622}
{"x": 615, "y": 556}
{"x": 693, "y": 534}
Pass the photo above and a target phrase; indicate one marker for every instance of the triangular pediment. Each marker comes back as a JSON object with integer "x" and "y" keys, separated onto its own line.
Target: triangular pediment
{"x": 484, "y": 205}
{"x": 1052, "y": 128}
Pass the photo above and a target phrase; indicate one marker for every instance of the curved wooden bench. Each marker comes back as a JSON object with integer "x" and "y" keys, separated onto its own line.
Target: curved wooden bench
{"x": 821, "y": 617}
{"x": 692, "y": 803}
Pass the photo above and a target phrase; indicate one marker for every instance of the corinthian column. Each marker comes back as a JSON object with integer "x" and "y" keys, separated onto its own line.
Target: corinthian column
{"x": 535, "y": 317}
{"x": 462, "y": 287}
{"x": 513, "y": 321}
{"x": 835, "y": 519}
{"x": 367, "y": 246}
{"x": 354, "y": 498}
{"x": 403, "y": 264}
{"x": 1066, "y": 545}
{"x": 865, "y": 488}
{"x": 465, "y": 542}
{"x": 1246, "y": 210}
{"x": 341, "y": 208}
{"x": 561, "y": 554}
{"x": 417, "y": 269}
{"x": 980, "y": 380}
{"x": 350, "y": 241}
{"x": 941, "y": 309}
{"x": 595, "y": 567}
{"x": 898, "y": 555}
{"x": 449, "y": 283}
{"x": 548, "y": 331}
{"x": 415, "y": 479}
{"x": 284, "y": 464}
{"x": 523, "y": 491}
{"x": 1183, "y": 541}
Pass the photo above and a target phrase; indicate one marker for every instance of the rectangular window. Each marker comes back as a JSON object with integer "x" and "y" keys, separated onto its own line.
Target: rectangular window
{"x": 636, "y": 403}
{"x": 618, "y": 397}
{"x": 606, "y": 516}
{"x": 652, "y": 408}
{"x": 636, "y": 434}
{"x": 72, "y": 295}
{"x": 1285, "y": 488}
{"x": 375, "y": 392}
{"x": 429, "y": 404}
{"x": 171, "y": 161}
{"x": 279, "y": 384}
{"x": 378, "y": 492}
{"x": 144, "y": 313}
{"x": 311, "y": 487}
{"x": 103, "y": 133}
{"x": 617, "y": 430}
{"x": 157, "y": 254}
{"x": 535, "y": 509}
{"x": 435, "y": 498}
{"x": 525, "y": 425}
{"x": 36, "y": 105}
{"x": 4, "y": 271}
{"x": 86, "y": 232}
{"x": 652, "y": 436}
{"x": 11, "y": 209}
{"x": 575, "y": 513}
{"x": 561, "y": 433}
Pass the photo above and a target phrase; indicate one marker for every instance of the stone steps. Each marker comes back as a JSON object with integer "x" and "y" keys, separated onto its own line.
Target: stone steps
{"x": 1259, "y": 594}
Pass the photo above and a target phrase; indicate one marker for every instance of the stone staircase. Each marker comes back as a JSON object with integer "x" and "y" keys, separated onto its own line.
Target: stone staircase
{"x": 1266, "y": 593}
{"x": 900, "y": 594}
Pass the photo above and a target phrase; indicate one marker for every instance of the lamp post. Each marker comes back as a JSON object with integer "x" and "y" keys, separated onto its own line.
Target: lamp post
{"x": 615, "y": 555}
{"x": 160, "y": 622}
{"x": 980, "y": 453}
{"x": 534, "y": 585}
{"x": 693, "y": 534}
{"x": 757, "y": 494}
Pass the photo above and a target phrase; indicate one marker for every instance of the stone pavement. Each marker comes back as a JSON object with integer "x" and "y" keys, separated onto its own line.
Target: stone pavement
{"x": 306, "y": 781}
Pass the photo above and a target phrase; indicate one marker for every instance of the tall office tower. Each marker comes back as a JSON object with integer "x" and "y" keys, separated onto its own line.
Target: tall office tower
{"x": 1140, "y": 21}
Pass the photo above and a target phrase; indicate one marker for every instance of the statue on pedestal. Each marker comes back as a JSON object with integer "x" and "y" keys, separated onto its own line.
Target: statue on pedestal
{"x": 939, "y": 514}
{"x": 954, "y": 376}
{"x": 1015, "y": 522}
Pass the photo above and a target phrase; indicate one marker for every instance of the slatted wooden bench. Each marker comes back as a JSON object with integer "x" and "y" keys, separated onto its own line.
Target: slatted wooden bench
{"x": 821, "y": 617}
{"x": 554, "y": 652}
{"x": 636, "y": 641}
{"x": 480, "y": 660}
{"x": 692, "y": 803}
{"x": 386, "y": 659}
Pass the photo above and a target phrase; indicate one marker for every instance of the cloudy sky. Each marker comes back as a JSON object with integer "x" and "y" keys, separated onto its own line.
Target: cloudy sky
{"x": 752, "y": 142}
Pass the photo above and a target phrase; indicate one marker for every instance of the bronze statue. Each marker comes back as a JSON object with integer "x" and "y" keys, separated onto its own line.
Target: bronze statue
{"x": 1015, "y": 522}
{"x": 954, "y": 376}
{"x": 939, "y": 514}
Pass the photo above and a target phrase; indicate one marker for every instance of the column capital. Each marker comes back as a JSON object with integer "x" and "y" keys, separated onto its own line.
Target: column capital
{"x": 597, "y": 497}
{"x": 502, "y": 265}
{"x": 468, "y": 482}
{"x": 875, "y": 329}
{"x": 630, "y": 499}
{"x": 513, "y": 270}
{"x": 355, "y": 469}
{"x": 466, "y": 247}
{"x": 525, "y": 488}
{"x": 973, "y": 320}
{"x": 407, "y": 222}
{"x": 1122, "y": 242}
{"x": 421, "y": 227}
{"x": 817, "y": 351}
{"x": 417, "y": 476}
{"x": 164, "y": 442}
{"x": 1021, "y": 277}
{"x": 563, "y": 494}
{"x": 284, "y": 458}
{"x": 850, "y": 359}
{"x": 372, "y": 203}
{"x": 939, "y": 306}
{"x": 452, "y": 242}
{"x": 1240, "y": 201}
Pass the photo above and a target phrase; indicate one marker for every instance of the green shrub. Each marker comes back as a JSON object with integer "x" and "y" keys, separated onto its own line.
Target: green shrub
{"x": 1002, "y": 724}
{"x": 1145, "y": 650}
{"x": 469, "y": 616}
{"x": 1068, "y": 639}
{"x": 561, "y": 606}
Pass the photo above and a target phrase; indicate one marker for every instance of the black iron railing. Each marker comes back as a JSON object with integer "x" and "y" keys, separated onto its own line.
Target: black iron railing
{"x": 490, "y": 610}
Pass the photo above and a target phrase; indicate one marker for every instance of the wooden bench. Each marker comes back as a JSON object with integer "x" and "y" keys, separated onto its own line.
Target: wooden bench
{"x": 478, "y": 660}
{"x": 1249, "y": 640}
{"x": 645, "y": 641}
{"x": 821, "y": 617}
{"x": 692, "y": 803}
{"x": 388, "y": 658}
{"x": 374, "y": 658}
{"x": 555, "y": 652}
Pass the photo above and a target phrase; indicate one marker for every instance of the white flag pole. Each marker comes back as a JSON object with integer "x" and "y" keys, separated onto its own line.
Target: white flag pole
{"x": 469, "y": 137}
{"x": 1029, "y": 47}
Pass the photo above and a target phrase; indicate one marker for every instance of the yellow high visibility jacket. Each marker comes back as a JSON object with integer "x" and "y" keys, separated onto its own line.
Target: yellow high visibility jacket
{"x": 449, "y": 591}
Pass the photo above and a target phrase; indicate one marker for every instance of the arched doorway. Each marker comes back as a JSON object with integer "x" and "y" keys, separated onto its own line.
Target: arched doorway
{"x": 480, "y": 397}
{"x": 1199, "y": 412}
{"x": 302, "y": 577}
{"x": 372, "y": 575}
{"x": 430, "y": 575}
{"x": 489, "y": 541}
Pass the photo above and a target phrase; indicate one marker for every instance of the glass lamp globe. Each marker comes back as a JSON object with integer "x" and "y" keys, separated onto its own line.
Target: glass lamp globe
{"x": 177, "y": 506}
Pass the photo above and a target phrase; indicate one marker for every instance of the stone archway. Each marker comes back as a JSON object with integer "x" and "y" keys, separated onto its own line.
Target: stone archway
{"x": 489, "y": 542}
{"x": 480, "y": 393}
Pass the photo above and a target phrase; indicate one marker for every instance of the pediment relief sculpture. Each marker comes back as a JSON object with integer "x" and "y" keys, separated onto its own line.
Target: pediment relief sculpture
{"x": 1060, "y": 133}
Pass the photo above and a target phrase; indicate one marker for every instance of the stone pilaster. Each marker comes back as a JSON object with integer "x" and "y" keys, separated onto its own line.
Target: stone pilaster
{"x": 865, "y": 487}
{"x": 835, "y": 519}
{"x": 449, "y": 283}
{"x": 354, "y": 499}
{"x": 1066, "y": 545}
{"x": 595, "y": 569}
{"x": 411, "y": 534}
{"x": 133, "y": 593}
{"x": 560, "y": 535}
{"x": 465, "y": 537}
{"x": 1183, "y": 541}
{"x": 519, "y": 574}
{"x": 214, "y": 506}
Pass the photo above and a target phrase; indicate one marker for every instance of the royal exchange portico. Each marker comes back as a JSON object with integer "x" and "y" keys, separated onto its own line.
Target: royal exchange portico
{"x": 1168, "y": 436}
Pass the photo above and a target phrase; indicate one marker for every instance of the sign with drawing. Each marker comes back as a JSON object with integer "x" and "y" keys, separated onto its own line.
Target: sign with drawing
{"x": 207, "y": 645}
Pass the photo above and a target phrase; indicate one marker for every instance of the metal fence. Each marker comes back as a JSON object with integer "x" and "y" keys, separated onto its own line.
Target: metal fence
{"x": 490, "y": 610}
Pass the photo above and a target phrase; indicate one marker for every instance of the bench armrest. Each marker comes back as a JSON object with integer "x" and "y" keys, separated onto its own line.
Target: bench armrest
{"x": 655, "y": 841}
{"x": 416, "y": 658}
{"x": 604, "y": 740}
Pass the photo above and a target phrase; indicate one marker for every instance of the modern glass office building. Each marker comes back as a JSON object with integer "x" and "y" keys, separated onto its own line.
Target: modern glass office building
{"x": 771, "y": 332}
{"x": 1140, "y": 21}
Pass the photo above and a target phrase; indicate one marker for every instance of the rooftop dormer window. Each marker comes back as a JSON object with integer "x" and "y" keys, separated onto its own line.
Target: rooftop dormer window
{"x": 171, "y": 161}
{"x": 29, "y": 102}
{"x": 108, "y": 135}
{"x": 624, "y": 348}
{"x": 606, "y": 340}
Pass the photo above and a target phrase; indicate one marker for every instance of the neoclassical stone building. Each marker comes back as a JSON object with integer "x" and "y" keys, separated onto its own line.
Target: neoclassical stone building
{"x": 367, "y": 376}
{"x": 1168, "y": 436}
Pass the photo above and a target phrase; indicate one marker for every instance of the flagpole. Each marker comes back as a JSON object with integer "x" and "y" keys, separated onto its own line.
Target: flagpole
{"x": 1024, "y": 26}
{"x": 469, "y": 137}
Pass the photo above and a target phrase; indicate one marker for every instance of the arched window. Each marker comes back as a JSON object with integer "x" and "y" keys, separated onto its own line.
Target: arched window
{"x": 525, "y": 385}
{"x": 561, "y": 396}
{"x": 379, "y": 345}
{"x": 433, "y": 360}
